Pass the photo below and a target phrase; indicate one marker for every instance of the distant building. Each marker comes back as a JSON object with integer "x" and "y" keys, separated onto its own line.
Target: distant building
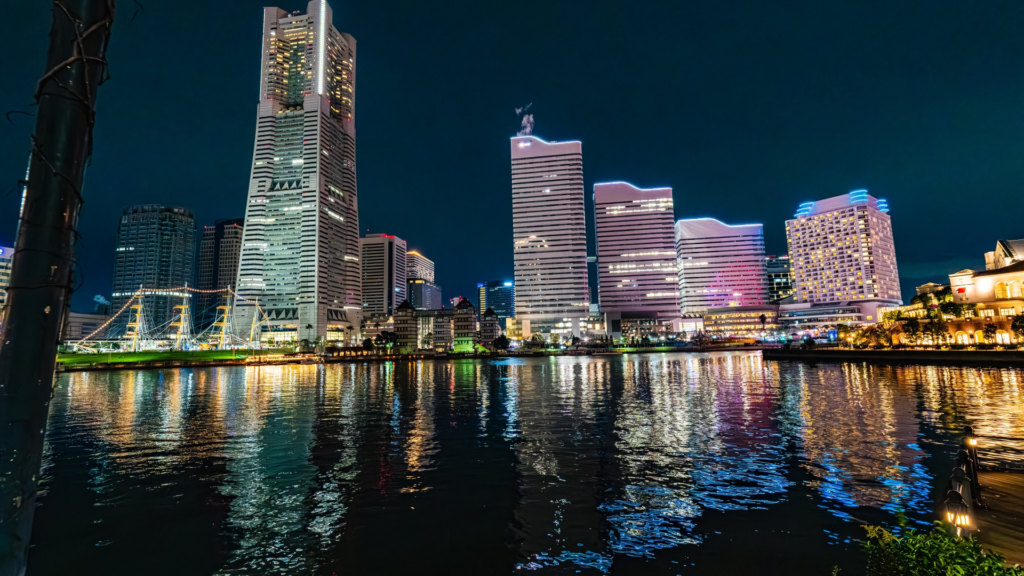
{"x": 636, "y": 251}
{"x": 593, "y": 279}
{"x": 490, "y": 328}
{"x": 1006, "y": 253}
{"x": 720, "y": 265}
{"x": 499, "y": 296}
{"x": 6, "y": 253}
{"x": 155, "y": 249}
{"x": 780, "y": 278}
{"x": 930, "y": 287}
{"x": 549, "y": 233}
{"x": 79, "y": 325}
{"x": 796, "y": 318}
{"x": 464, "y": 327}
{"x": 217, "y": 268}
{"x": 384, "y": 277}
{"x": 423, "y": 294}
{"x": 300, "y": 253}
{"x": 841, "y": 250}
{"x": 418, "y": 266}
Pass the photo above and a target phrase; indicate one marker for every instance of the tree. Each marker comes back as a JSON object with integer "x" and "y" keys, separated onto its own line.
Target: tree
{"x": 937, "y": 329}
{"x": 764, "y": 320}
{"x": 989, "y": 330}
{"x": 368, "y": 345}
{"x": 952, "y": 309}
{"x": 912, "y": 328}
{"x": 1017, "y": 326}
{"x": 428, "y": 340}
{"x": 501, "y": 343}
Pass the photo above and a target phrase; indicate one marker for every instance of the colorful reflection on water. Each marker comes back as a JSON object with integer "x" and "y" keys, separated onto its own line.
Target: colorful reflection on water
{"x": 642, "y": 464}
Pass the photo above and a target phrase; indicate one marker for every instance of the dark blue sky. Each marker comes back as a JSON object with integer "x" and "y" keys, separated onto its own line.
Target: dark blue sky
{"x": 745, "y": 108}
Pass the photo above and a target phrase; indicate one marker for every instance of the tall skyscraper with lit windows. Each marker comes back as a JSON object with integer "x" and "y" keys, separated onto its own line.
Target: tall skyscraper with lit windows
{"x": 636, "y": 252}
{"x": 384, "y": 273}
{"x": 300, "y": 247}
{"x": 841, "y": 250}
{"x": 720, "y": 265}
{"x": 549, "y": 234}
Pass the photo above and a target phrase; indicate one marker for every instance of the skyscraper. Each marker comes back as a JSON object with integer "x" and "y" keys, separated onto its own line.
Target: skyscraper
{"x": 841, "y": 249}
{"x": 418, "y": 266}
{"x": 217, "y": 267}
{"x": 636, "y": 251}
{"x": 155, "y": 250}
{"x": 423, "y": 294}
{"x": 5, "y": 272}
{"x": 300, "y": 248}
{"x": 549, "y": 234}
{"x": 384, "y": 277}
{"x": 780, "y": 277}
{"x": 720, "y": 265}
{"x": 499, "y": 296}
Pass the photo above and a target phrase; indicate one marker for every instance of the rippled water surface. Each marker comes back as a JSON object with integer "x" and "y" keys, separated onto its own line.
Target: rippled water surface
{"x": 642, "y": 464}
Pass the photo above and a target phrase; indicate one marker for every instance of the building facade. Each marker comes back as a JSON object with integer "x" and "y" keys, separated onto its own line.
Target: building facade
{"x": 490, "y": 328}
{"x": 423, "y": 294}
{"x": 841, "y": 250}
{"x": 549, "y": 234}
{"x": 155, "y": 250}
{"x": 300, "y": 247}
{"x": 742, "y": 321}
{"x": 217, "y": 267}
{"x": 6, "y": 254}
{"x": 500, "y": 297}
{"x": 384, "y": 277}
{"x": 636, "y": 251}
{"x": 1006, "y": 253}
{"x": 78, "y": 325}
{"x": 720, "y": 265}
{"x": 780, "y": 278}
{"x": 464, "y": 327}
{"x": 419, "y": 266}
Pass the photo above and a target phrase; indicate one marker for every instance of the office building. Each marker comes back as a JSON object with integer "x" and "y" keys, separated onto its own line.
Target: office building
{"x": 500, "y": 297}
{"x": 636, "y": 252}
{"x": 720, "y": 265}
{"x": 464, "y": 327}
{"x": 549, "y": 236}
{"x": 155, "y": 250}
{"x": 300, "y": 247}
{"x": 80, "y": 325}
{"x": 490, "y": 328}
{"x": 841, "y": 250}
{"x": 423, "y": 294}
{"x": 419, "y": 266}
{"x": 780, "y": 278}
{"x": 384, "y": 277}
{"x": 592, "y": 280}
{"x": 217, "y": 268}
{"x": 6, "y": 254}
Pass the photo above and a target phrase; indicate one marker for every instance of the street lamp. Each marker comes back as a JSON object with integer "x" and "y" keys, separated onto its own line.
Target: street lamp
{"x": 957, "y": 512}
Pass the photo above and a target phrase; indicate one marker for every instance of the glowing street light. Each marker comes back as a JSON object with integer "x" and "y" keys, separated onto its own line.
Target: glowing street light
{"x": 957, "y": 512}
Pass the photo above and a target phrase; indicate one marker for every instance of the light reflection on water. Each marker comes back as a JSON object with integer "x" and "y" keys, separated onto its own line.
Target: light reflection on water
{"x": 634, "y": 464}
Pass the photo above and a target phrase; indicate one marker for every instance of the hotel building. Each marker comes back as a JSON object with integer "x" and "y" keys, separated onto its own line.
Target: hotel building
{"x": 300, "y": 247}
{"x": 841, "y": 250}
{"x": 384, "y": 278}
{"x": 155, "y": 250}
{"x": 636, "y": 251}
{"x": 549, "y": 234}
{"x": 418, "y": 266}
{"x": 720, "y": 265}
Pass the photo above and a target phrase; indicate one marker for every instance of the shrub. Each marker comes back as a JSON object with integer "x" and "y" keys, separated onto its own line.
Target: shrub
{"x": 934, "y": 553}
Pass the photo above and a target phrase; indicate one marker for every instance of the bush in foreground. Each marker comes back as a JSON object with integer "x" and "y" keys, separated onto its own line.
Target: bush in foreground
{"x": 932, "y": 553}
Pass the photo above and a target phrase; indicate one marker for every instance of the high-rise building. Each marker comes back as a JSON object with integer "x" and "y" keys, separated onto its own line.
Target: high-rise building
{"x": 780, "y": 277}
{"x": 636, "y": 251}
{"x": 720, "y": 265}
{"x": 384, "y": 277}
{"x": 423, "y": 294}
{"x": 5, "y": 272}
{"x": 841, "y": 249}
{"x": 499, "y": 296}
{"x": 155, "y": 250}
{"x": 217, "y": 268}
{"x": 300, "y": 248}
{"x": 549, "y": 233}
{"x": 418, "y": 266}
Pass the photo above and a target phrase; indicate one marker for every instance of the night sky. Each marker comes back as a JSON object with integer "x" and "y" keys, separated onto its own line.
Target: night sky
{"x": 745, "y": 108}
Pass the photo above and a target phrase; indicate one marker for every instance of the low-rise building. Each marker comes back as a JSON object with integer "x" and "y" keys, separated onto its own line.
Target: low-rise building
{"x": 796, "y": 318}
{"x": 79, "y": 325}
{"x": 742, "y": 320}
{"x": 490, "y": 328}
{"x": 464, "y": 327}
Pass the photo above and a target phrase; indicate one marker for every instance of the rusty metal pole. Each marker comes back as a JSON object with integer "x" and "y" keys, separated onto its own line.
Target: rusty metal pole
{"x": 44, "y": 252}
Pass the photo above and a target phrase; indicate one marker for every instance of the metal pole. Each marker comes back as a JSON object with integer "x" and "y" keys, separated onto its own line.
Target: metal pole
{"x": 42, "y": 267}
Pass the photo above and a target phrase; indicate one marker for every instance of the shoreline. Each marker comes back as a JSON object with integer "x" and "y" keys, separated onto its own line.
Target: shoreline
{"x": 994, "y": 358}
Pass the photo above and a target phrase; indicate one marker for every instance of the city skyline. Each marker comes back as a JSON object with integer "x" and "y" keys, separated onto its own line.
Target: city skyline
{"x": 844, "y": 142}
